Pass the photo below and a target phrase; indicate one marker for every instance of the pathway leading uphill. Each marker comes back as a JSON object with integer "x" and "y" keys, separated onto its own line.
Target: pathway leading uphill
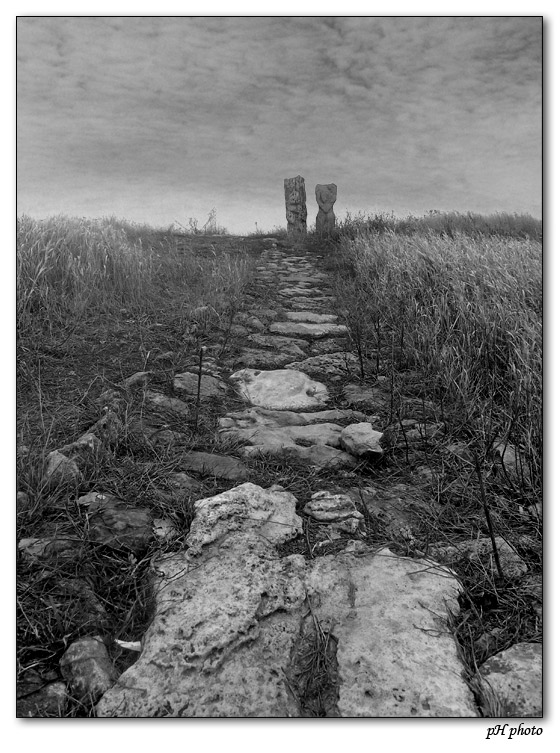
{"x": 245, "y": 624}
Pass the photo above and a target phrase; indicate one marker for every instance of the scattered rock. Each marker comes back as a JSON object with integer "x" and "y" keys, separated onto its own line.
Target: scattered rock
{"x": 171, "y": 404}
{"x": 60, "y": 470}
{"x": 512, "y": 682}
{"x": 282, "y": 389}
{"x": 164, "y": 528}
{"x": 87, "y": 668}
{"x": 209, "y": 386}
{"x": 362, "y": 441}
{"x": 116, "y": 524}
{"x": 338, "y": 509}
{"x": 139, "y": 379}
{"x": 221, "y": 466}
{"x": 109, "y": 429}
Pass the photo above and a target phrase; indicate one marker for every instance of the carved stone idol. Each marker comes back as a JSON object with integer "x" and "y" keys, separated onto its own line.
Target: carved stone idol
{"x": 296, "y": 209}
{"x": 326, "y": 197}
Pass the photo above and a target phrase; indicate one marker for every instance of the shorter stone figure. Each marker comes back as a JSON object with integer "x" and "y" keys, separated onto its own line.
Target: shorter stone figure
{"x": 296, "y": 208}
{"x": 326, "y": 197}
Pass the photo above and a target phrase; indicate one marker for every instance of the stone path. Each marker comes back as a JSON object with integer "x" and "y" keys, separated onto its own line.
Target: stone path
{"x": 240, "y": 629}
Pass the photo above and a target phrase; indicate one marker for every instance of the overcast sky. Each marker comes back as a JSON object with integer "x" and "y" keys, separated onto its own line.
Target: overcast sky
{"x": 161, "y": 119}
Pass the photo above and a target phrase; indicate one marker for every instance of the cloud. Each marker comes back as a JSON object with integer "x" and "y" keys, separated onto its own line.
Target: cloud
{"x": 397, "y": 111}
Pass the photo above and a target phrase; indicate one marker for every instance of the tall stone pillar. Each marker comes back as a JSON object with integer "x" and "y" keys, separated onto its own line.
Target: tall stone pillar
{"x": 326, "y": 197}
{"x": 296, "y": 209}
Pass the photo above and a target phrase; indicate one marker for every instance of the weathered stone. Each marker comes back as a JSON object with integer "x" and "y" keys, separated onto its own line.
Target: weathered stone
{"x": 296, "y": 208}
{"x": 331, "y": 364}
{"x": 209, "y": 386}
{"x": 481, "y": 549}
{"x": 311, "y": 316}
{"x": 396, "y": 655}
{"x": 338, "y": 509}
{"x": 253, "y": 358}
{"x": 272, "y": 513}
{"x": 60, "y": 470}
{"x": 109, "y": 428}
{"x": 397, "y": 509}
{"x": 288, "y": 345}
{"x": 282, "y": 389}
{"x": 362, "y": 441}
{"x": 116, "y": 524}
{"x": 221, "y": 466}
{"x": 512, "y": 682}
{"x": 163, "y": 402}
{"x": 326, "y": 197}
{"x": 87, "y": 668}
{"x": 311, "y": 437}
{"x": 307, "y": 328}
{"x": 139, "y": 379}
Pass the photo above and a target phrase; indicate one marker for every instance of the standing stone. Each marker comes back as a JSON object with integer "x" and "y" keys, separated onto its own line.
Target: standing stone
{"x": 326, "y": 197}
{"x": 296, "y": 209}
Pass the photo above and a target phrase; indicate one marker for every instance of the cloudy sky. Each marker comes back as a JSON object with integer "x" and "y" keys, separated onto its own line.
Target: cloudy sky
{"x": 161, "y": 119}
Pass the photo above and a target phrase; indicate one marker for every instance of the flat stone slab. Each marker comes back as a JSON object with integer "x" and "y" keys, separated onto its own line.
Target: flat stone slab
{"x": 301, "y": 290}
{"x": 309, "y": 329}
{"x": 254, "y": 358}
{"x": 287, "y": 345}
{"x": 396, "y": 655}
{"x": 512, "y": 681}
{"x": 311, "y": 316}
{"x": 280, "y": 389}
{"x": 313, "y": 437}
{"x": 222, "y": 466}
{"x": 331, "y": 364}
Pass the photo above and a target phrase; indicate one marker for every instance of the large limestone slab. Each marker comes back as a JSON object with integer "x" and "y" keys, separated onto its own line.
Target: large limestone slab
{"x": 225, "y": 627}
{"x": 396, "y": 654}
{"x": 309, "y": 329}
{"x": 280, "y": 389}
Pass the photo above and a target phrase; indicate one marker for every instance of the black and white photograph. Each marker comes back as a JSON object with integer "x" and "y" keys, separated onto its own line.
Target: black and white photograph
{"x": 279, "y": 368}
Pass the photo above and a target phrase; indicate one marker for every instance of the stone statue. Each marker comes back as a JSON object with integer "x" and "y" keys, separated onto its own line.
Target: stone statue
{"x": 296, "y": 209}
{"x": 326, "y": 196}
